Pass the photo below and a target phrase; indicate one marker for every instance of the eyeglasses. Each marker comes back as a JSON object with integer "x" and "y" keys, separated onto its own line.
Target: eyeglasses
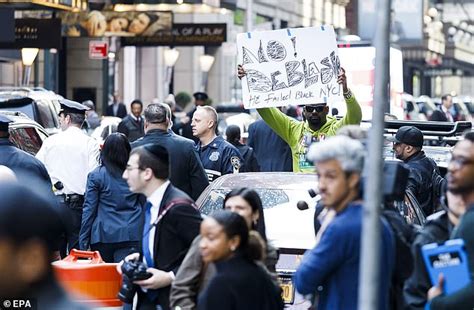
{"x": 317, "y": 108}
{"x": 130, "y": 168}
{"x": 459, "y": 162}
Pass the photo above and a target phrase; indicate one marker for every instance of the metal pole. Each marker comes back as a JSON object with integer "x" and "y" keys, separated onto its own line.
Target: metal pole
{"x": 369, "y": 268}
{"x": 26, "y": 75}
{"x": 249, "y": 16}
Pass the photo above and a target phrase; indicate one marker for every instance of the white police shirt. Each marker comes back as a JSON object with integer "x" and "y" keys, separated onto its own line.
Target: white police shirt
{"x": 69, "y": 156}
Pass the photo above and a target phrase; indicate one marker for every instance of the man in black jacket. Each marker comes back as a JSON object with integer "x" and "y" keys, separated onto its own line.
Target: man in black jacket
{"x": 187, "y": 172}
{"x": 424, "y": 180}
{"x": 133, "y": 124}
{"x": 443, "y": 114}
{"x": 438, "y": 228}
{"x": 170, "y": 223}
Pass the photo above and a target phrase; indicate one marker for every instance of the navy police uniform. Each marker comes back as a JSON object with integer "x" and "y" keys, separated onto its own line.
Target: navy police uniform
{"x": 220, "y": 157}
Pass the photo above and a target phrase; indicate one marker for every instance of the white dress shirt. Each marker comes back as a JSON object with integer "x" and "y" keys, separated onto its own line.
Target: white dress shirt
{"x": 69, "y": 156}
{"x": 447, "y": 113}
{"x": 155, "y": 200}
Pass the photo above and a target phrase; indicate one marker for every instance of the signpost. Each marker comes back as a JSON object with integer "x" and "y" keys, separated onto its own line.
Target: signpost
{"x": 289, "y": 66}
{"x": 98, "y": 49}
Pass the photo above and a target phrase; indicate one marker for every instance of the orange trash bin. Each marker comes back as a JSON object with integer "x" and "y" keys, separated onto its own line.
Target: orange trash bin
{"x": 89, "y": 280}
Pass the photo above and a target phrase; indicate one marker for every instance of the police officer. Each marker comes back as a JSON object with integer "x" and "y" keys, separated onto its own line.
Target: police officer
{"x": 18, "y": 160}
{"x": 69, "y": 156}
{"x": 218, "y": 156}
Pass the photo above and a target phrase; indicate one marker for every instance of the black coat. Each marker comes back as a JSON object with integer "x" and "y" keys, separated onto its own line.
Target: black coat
{"x": 173, "y": 237}
{"x": 187, "y": 172}
{"x": 121, "y": 111}
{"x": 421, "y": 180}
{"x": 21, "y": 162}
{"x": 438, "y": 116}
{"x": 272, "y": 153}
{"x": 437, "y": 229}
{"x": 131, "y": 128}
{"x": 186, "y": 129}
{"x": 250, "y": 161}
{"x": 240, "y": 284}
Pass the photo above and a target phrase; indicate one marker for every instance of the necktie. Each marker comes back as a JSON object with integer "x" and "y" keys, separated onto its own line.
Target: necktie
{"x": 146, "y": 235}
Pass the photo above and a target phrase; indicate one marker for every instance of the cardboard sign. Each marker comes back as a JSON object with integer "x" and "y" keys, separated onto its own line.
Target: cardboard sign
{"x": 98, "y": 49}
{"x": 289, "y": 66}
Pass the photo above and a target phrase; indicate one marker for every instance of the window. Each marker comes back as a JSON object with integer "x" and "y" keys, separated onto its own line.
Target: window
{"x": 46, "y": 117}
{"x": 28, "y": 139}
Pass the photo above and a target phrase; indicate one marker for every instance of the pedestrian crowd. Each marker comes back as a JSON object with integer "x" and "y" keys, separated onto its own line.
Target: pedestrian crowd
{"x": 132, "y": 199}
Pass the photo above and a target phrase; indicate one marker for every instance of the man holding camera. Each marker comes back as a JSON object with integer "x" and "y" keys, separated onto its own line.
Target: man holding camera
{"x": 171, "y": 222}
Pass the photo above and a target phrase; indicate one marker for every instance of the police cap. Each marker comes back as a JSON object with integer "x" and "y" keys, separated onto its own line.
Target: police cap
{"x": 69, "y": 106}
{"x": 200, "y": 96}
{"x": 4, "y": 121}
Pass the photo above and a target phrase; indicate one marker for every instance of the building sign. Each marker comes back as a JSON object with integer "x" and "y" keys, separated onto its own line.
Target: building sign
{"x": 98, "y": 49}
{"x": 34, "y": 32}
{"x": 67, "y": 5}
{"x": 120, "y": 24}
{"x": 183, "y": 35}
{"x": 289, "y": 66}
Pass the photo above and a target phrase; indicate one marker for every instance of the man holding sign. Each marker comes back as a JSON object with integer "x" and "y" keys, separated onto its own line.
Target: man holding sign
{"x": 281, "y": 74}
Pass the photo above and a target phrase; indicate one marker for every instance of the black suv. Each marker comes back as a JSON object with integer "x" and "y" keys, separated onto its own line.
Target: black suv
{"x": 25, "y": 133}
{"x": 37, "y": 103}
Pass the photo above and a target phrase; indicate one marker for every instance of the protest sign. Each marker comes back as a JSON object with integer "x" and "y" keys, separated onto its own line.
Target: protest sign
{"x": 289, "y": 66}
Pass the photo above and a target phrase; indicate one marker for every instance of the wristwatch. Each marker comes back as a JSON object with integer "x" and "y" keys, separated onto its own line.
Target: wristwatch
{"x": 348, "y": 94}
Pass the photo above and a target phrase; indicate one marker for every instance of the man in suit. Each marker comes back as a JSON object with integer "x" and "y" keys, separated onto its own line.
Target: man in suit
{"x": 117, "y": 108}
{"x": 187, "y": 171}
{"x": 170, "y": 223}
{"x": 443, "y": 114}
{"x": 132, "y": 125}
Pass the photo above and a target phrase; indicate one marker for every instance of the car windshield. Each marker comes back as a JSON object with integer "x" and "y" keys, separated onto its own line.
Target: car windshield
{"x": 286, "y": 225}
{"x": 26, "y": 108}
{"x": 47, "y": 118}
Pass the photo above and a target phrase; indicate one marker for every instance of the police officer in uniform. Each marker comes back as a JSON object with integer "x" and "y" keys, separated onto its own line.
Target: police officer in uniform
{"x": 69, "y": 156}
{"x": 218, "y": 156}
{"x": 18, "y": 160}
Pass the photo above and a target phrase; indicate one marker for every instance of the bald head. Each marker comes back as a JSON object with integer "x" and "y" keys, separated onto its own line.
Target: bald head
{"x": 204, "y": 121}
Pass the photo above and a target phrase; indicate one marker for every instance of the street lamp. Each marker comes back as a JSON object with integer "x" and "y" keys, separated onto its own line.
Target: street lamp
{"x": 28, "y": 56}
{"x": 171, "y": 56}
{"x": 205, "y": 62}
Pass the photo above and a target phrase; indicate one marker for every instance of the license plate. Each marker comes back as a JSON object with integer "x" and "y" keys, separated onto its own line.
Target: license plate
{"x": 288, "y": 290}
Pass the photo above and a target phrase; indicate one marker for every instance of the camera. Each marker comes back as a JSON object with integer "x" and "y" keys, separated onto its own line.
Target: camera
{"x": 131, "y": 271}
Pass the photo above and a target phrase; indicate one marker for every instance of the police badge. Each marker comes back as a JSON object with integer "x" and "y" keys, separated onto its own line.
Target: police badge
{"x": 214, "y": 156}
{"x": 235, "y": 161}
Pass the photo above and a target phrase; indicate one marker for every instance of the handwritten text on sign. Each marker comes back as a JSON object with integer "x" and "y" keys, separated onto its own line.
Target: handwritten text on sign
{"x": 289, "y": 66}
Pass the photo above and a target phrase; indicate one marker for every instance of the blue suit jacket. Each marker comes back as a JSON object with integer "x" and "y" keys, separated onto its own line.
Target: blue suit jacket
{"x": 273, "y": 154}
{"x": 111, "y": 212}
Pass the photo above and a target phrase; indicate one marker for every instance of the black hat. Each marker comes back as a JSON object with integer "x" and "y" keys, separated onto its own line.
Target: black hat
{"x": 200, "y": 96}
{"x": 408, "y": 135}
{"x": 69, "y": 106}
{"x": 160, "y": 152}
{"x": 4, "y": 121}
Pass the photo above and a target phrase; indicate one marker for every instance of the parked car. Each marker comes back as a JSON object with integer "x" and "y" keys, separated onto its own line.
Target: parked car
{"x": 25, "y": 133}
{"x": 37, "y": 103}
{"x": 426, "y": 106}
{"x": 287, "y": 227}
{"x": 411, "y": 109}
{"x": 108, "y": 125}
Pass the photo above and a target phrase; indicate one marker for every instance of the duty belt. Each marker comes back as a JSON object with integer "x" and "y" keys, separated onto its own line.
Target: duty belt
{"x": 71, "y": 197}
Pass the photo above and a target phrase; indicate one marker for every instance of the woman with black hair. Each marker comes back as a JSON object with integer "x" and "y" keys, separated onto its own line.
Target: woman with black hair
{"x": 250, "y": 161}
{"x": 239, "y": 282}
{"x": 194, "y": 274}
{"x": 111, "y": 213}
